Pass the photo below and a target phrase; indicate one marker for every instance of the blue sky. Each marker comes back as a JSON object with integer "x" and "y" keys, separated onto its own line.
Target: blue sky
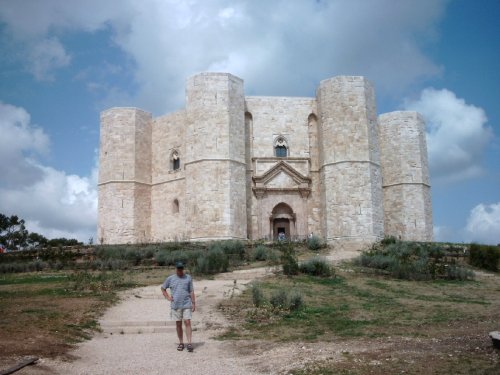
{"x": 62, "y": 62}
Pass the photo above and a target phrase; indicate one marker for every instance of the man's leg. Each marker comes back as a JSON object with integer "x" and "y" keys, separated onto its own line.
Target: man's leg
{"x": 178, "y": 325}
{"x": 189, "y": 331}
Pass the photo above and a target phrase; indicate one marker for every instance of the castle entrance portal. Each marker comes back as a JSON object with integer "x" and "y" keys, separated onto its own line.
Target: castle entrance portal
{"x": 282, "y": 220}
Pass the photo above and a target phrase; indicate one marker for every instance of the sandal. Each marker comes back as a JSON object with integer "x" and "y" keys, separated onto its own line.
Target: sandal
{"x": 190, "y": 348}
{"x": 180, "y": 347}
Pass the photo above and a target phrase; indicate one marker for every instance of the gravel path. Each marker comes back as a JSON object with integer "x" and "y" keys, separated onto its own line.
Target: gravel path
{"x": 138, "y": 337}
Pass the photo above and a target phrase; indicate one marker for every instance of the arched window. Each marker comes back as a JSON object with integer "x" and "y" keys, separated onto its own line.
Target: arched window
{"x": 175, "y": 160}
{"x": 175, "y": 206}
{"x": 280, "y": 147}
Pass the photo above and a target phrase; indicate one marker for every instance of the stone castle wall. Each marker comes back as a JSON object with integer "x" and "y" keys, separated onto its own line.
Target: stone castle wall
{"x": 406, "y": 181}
{"x": 230, "y": 184}
{"x": 349, "y": 162}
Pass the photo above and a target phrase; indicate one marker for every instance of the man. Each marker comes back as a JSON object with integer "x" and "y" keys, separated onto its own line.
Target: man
{"x": 182, "y": 303}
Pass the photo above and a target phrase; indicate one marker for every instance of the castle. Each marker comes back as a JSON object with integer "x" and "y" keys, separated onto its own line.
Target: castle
{"x": 231, "y": 166}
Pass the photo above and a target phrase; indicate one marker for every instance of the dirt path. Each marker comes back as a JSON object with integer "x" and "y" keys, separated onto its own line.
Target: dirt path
{"x": 138, "y": 338}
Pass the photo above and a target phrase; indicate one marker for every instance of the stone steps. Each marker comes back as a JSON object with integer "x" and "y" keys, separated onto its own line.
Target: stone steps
{"x": 138, "y": 327}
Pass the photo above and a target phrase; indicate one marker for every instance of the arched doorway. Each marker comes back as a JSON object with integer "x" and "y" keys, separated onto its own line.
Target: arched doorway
{"x": 282, "y": 220}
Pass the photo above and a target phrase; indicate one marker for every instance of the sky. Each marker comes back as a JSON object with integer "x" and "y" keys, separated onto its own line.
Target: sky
{"x": 64, "y": 61}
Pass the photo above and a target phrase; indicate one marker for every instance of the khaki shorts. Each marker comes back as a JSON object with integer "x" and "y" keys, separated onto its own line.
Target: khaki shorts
{"x": 179, "y": 314}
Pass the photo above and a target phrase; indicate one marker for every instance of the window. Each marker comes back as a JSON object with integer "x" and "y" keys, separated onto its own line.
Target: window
{"x": 280, "y": 148}
{"x": 176, "y": 161}
{"x": 175, "y": 206}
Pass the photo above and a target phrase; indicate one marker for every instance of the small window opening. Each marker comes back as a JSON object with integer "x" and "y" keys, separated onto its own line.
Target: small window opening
{"x": 175, "y": 206}
{"x": 280, "y": 148}
{"x": 176, "y": 161}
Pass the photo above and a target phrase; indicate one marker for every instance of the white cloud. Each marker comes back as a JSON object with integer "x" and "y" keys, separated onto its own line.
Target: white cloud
{"x": 46, "y": 56}
{"x": 483, "y": 224}
{"x": 19, "y": 144}
{"x": 52, "y": 202}
{"x": 279, "y": 47}
{"x": 457, "y": 134}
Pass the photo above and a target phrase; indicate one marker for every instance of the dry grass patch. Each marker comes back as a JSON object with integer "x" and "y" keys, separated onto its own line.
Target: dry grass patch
{"x": 444, "y": 321}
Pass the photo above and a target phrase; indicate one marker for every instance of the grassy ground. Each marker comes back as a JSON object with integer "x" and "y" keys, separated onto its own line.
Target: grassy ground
{"x": 44, "y": 313}
{"x": 413, "y": 323}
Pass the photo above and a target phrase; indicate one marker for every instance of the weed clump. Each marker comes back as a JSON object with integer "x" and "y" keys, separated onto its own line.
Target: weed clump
{"x": 289, "y": 259}
{"x": 317, "y": 267}
{"x": 314, "y": 243}
{"x": 484, "y": 256}
{"x": 415, "y": 261}
{"x": 214, "y": 261}
{"x": 280, "y": 300}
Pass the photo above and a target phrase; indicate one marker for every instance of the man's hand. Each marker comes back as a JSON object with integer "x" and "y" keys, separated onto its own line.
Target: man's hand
{"x": 170, "y": 298}
{"x": 193, "y": 306}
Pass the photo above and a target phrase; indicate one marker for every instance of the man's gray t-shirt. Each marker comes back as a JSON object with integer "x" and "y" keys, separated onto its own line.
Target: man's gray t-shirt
{"x": 181, "y": 288}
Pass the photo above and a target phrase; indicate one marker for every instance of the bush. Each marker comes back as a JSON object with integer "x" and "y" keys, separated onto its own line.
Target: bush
{"x": 295, "y": 302}
{"x": 102, "y": 281}
{"x": 416, "y": 261}
{"x": 289, "y": 259}
{"x": 279, "y": 299}
{"x": 169, "y": 258}
{"x": 314, "y": 243}
{"x": 484, "y": 256}
{"x": 257, "y": 296}
{"x": 316, "y": 267}
{"x": 260, "y": 253}
{"x": 232, "y": 248}
{"x": 214, "y": 261}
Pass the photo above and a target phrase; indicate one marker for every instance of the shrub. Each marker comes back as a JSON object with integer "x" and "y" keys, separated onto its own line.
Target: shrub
{"x": 295, "y": 302}
{"x": 459, "y": 273}
{"x": 388, "y": 240}
{"x": 314, "y": 243}
{"x": 260, "y": 253}
{"x": 257, "y": 296}
{"x": 102, "y": 281}
{"x": 214, "y": 261}
{"x": 316, "y": 267}
{"x": 416, "y": 261}
{"x": 279, "y": 299}
{"x": 273, "y": 257}
{"x": 289, "y": 259}
{"x": 484, "y": 256}
{"x": 232, "y": 248}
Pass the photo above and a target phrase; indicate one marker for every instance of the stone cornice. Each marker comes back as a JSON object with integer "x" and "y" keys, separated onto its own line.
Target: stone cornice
{"x": 350, "y": 161}
{"x": 123, "y": 182}
{"x": 407, "y": 183}
{"x": 214, "y": 159}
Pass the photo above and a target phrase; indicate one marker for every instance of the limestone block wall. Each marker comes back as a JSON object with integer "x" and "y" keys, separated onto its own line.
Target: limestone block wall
{"x": 124, "y": 210}
{"x": 349, "y": 160}
{"x": 271, "y": 117}
{"x": 215, "y": 157}
{"x": 168, "y": 191}
{"x": 274, "y": 116}
{"x": 406, "y": 182}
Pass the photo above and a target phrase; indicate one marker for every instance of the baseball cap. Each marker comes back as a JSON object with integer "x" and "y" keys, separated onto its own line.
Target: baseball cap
{"x": 179, "y": 264}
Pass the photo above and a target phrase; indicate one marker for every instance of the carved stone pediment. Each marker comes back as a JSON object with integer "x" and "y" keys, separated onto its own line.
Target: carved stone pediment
{"x": 281, "y": 178}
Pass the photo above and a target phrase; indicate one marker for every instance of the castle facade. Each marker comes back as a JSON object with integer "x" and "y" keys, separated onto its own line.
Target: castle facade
{"x": 231, "y": 166}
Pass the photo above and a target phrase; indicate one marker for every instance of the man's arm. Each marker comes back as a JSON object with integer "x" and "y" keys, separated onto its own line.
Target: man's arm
{"x": 193, "y": 301}
{"x": 165, "y": 293}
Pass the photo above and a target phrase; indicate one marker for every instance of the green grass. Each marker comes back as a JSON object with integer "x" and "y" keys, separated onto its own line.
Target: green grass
{"x": 17, "y": 279}
{"x": 355, "y": 305}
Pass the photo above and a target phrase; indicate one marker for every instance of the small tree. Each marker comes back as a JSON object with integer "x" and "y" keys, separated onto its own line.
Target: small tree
{"x": 13, "y": 232}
